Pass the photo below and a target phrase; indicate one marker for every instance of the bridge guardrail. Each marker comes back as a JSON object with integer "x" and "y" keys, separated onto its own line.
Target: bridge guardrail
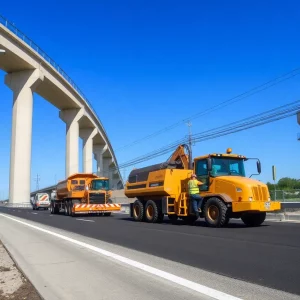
{"x": 56, "y": 66}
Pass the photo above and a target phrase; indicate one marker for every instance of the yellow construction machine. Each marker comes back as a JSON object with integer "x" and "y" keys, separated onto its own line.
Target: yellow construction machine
{"x": 83, "y": 193}
{"x": 227, "y": 193}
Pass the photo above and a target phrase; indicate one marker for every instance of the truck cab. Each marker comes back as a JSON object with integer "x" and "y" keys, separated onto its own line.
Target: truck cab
{"x": 97, "y": 191}
{"x": 224, "y": 175}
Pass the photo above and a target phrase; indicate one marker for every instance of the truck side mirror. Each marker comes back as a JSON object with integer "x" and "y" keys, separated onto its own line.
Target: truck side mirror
{"x": 258, "y": 167}
{"x": 209, "y": 164}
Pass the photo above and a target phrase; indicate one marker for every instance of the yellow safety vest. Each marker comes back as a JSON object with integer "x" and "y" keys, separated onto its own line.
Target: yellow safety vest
{"x": 193, "y": 187}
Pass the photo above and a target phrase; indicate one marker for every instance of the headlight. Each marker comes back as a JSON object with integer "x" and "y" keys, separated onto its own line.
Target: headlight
{"x": 269, "y": 199}
{"x": 250, "y": 199}
{"x": 239, "y": 190}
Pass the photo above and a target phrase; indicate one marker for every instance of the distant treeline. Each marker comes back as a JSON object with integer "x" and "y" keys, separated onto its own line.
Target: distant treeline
{"x": 285, "y": 183}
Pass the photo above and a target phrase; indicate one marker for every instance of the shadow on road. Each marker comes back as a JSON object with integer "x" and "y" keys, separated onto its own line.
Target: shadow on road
{"x": 199, "y": 223}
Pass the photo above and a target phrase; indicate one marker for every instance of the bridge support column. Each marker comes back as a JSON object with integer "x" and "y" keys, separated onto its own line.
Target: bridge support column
{"x": 22, "y": 84}
{"x": 99, "y": 151}
{"x": 87, "y": 135}
{"x": 107, "y": 161}
{"x": 71, "y": 118}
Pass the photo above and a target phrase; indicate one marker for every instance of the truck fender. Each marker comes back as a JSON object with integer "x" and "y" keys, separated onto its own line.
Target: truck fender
{"x": 222, "y": 196}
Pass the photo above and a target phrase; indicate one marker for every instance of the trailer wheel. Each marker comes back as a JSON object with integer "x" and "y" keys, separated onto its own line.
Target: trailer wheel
{"x": 253, "y": 219}
{"x": 66, "y": 207}
{"x": 71, "y": 204}
{"x": 69, "y": 208}
{"x": 54, "y": 209}
{"x": 216, "y": 213}
{"x": 152, "y": 213}
{"x": 138, "y": 211}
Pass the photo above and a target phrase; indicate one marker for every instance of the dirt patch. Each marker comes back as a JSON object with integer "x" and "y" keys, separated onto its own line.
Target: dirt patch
{"x": 13, "y": 285}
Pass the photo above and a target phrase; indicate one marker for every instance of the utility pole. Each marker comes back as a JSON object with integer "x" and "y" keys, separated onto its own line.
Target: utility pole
{"x": 189, "y": 124}
{"x": 37, "y": 180}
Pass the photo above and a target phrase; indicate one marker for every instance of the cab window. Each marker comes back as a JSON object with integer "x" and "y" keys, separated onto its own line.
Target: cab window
{"x": 202, "y": 174}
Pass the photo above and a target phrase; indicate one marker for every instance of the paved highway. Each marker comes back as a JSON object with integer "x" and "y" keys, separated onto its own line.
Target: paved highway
{"x": 265, "y": 256}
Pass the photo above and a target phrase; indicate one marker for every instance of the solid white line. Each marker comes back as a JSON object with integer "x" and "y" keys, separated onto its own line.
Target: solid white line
{"x": 165, "y": 275}
{"x": 85, "y": 220}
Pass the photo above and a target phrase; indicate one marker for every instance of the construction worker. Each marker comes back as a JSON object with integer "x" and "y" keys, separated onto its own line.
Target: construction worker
{"x": 196, "y": 199}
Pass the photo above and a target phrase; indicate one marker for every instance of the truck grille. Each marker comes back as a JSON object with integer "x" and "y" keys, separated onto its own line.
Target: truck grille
{"x": 97, "y": 198}
{"x": 260, "y": 193}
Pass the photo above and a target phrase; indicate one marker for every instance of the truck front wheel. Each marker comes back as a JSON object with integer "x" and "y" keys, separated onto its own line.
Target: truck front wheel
{"x": 253, "y": 219}
{"x": 215, "y": 211}
{"x": 138, "y": 211}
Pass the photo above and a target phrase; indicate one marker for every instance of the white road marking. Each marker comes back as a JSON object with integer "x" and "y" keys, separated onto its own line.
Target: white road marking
{"x": 202, "y": 289}
{"x": 85, "y": 220}
{"x": 35, "y": 213}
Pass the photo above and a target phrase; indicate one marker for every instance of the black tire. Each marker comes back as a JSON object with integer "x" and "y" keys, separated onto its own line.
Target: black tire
{"x": 69, "y": 208}
{"x": 107, "y": 214}
{"x": 226, "y": 221}
{"x": 71, "y": 204}
{"x": 216, "y": 212}
{"x": 151, "y": 212}
{"x": 253, "y": 219}
{"x": 66, "y": 208}
{"x": 52, "y": 209}
{"x": 138, "y": 211}
{"x": 56, "y": 209}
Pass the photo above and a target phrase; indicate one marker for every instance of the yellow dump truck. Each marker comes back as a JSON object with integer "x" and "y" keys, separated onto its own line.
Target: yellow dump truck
{"x": 162, "y": 189}
{"x": 83, "y": 194}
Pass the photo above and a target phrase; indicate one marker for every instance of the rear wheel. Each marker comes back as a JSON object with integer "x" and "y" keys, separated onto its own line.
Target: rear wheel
{"x": 216, "y": 213}
{"x": 107, "y": 214}
{"x": 253, "y": 219}
{"x": 152, "y": 213}
{"x": 66, "y": 208}
{"x": 71, "y": 204}
{"x": 138, "y": 210}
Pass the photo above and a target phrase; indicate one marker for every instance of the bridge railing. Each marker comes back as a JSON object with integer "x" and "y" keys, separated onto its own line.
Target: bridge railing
{"x": 48, "y": 59}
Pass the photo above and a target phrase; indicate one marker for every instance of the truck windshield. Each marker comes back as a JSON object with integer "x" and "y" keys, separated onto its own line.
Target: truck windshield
{"x": 99, "y": 185}
{"x": 222, "y": 166}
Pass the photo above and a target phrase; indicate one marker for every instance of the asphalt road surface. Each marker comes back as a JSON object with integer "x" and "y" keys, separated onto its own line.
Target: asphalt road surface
{"x": 268, "y": 255}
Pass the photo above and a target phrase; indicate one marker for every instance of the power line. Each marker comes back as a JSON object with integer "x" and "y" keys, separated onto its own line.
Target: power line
{"x": 269, "y": 116}
{"x": 223, "y": 104}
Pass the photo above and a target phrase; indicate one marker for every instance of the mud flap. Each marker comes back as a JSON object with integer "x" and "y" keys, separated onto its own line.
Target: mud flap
{"x": 164, "y": 205}
{"x": 131, "y": 210}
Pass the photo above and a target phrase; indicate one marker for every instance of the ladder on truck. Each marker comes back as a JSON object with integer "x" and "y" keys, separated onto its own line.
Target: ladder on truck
{"x": 182, "y": 205}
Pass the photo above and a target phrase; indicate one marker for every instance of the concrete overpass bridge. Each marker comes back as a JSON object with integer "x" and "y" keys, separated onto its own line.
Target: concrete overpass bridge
{"x": 30, "y": 70}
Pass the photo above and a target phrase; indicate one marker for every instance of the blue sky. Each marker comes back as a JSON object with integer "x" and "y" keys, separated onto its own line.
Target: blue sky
{"x": 145, "y": 65}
